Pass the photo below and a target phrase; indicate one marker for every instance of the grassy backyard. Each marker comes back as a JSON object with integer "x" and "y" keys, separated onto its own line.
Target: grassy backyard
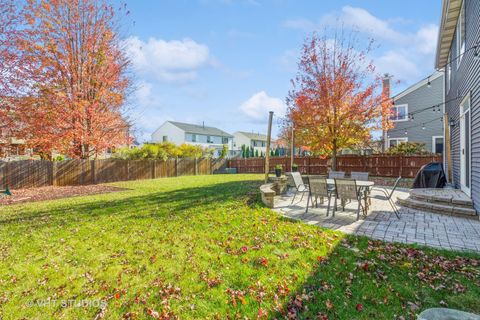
{"x": 204, "y": 247}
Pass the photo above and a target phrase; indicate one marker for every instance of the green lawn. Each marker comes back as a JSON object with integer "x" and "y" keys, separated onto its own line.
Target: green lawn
{"x": 204, "y": 247}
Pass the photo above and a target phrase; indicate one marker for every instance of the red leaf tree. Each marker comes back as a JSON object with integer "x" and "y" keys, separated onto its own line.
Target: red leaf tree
{"x": 335, "y": 102}
{"x": 75, "y": 74}
{"x": 9, "y": 22}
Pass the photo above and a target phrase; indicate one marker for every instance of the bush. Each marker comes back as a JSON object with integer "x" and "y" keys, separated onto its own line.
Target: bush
{"x": 162, "y": 151}
{"x": 224, "y": 152}
{"x": 408, "y": 148}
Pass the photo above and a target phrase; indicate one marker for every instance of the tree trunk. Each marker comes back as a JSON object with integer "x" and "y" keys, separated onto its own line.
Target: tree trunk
{"x": 334, "y": 155}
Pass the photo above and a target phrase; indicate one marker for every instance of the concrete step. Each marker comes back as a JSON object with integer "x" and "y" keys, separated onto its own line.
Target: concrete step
{"x": 442, "y": 201}
{"x": 452, "y": 197}
{"x": 439, "y": 207}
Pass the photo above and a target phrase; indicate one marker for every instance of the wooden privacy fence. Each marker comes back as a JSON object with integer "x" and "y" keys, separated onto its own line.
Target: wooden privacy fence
{"x": 376, "y": 165}
{"x": 33, "y": 173}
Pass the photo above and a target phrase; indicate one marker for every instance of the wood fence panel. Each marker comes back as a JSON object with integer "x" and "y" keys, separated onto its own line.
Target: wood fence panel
{"x": 25, "y": 174}
{"x": 376, "y": 165}
{"x": 204, "y": 166}
{"x": 111, "y": 170}
{"x": 140, "y": 169}
{"x": 185, "y": 167}
{"x": 72, "y": 172}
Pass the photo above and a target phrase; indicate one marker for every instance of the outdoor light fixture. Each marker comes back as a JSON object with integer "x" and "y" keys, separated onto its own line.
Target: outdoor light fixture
{"x": 429, "y": 84}
{"x": 452, "y": 123}
{"x": 476, "y": 52}
{"x": 406, "y": 132}
{"x": 423, "y": 126}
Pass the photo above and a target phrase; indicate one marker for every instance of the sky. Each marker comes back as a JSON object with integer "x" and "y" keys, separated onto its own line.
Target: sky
{"x": 226, "y": 63}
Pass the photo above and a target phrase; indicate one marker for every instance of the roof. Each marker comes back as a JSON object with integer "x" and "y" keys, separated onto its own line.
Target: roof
{"x": 200, "y": 129}
{"x": 448, "y": 25}
{"x": 418, "y": 85}
{"x": 254, "y": 136}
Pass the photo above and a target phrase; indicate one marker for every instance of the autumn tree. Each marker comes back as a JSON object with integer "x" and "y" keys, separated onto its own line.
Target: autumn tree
{"x": 9, "y": 22}
{"x": 334, "y": 102}
{"x": 75, "y": 75}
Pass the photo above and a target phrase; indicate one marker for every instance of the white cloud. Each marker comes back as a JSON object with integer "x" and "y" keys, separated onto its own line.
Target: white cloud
{"x": 398, "y": 64}
{"x": 426, "y": 38}
{"x": 407, "y": 55}
{"x": 259, "y": 104}
{"x": 170, "y": 61}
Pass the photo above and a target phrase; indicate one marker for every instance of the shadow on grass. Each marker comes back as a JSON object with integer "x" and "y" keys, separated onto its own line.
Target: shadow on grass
{"x": 152, "y": 204}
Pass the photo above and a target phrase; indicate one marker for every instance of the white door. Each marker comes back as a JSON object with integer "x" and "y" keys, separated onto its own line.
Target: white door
{"x": 465, "y": 145}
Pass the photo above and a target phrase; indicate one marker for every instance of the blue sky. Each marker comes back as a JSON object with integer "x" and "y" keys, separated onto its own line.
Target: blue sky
{"x": 227, "y": 62}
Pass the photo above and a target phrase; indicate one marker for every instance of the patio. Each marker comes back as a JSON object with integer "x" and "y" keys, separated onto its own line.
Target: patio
{"x": 415, "y": 226}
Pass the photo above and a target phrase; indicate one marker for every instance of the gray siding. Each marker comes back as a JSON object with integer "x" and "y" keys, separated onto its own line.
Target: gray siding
{"x": 466, "y": 80}
{"x": 421, "y": 98}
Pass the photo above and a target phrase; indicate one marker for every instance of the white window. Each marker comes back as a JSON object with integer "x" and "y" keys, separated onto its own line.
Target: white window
{"x": 461, "y": 34}
{"x": 399, "y": 113}
{"x": 392, "y": 142}
{"x": 437, "y": 144}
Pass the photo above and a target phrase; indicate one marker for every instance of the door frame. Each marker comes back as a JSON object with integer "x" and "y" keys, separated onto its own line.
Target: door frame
{"x": 463, "y": 135}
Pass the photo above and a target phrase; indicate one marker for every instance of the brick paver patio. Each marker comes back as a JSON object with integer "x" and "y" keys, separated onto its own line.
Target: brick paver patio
{"x": 424, "y": 228}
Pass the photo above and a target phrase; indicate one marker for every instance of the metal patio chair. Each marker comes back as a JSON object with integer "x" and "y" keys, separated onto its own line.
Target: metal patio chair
{"x": 346, "y": 189}
{"x": 387, "y": 196}
{"x": 336, "y": 174}
{"x": 363, "y": 176}
{"x": 318, "y": 189}
{"x": 299, "y": 185}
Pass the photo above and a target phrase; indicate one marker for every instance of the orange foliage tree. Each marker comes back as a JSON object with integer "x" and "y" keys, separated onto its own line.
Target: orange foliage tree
{"x": 75, "y": 74}
{"x": 335, "y": 102}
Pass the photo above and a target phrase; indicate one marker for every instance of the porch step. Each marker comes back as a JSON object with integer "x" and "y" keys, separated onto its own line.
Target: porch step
{"x": 453, "y": 197}
{"x": 442, "y": 201}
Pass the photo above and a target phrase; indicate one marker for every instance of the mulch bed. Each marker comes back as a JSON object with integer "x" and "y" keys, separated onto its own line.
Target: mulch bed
{"x": 50, "y": 193}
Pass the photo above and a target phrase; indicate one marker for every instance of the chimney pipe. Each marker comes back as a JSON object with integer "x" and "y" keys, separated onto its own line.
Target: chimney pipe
{"x": 386, "y": 84}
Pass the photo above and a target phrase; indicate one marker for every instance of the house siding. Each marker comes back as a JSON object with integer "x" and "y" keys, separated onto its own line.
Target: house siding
{"x": 421, "y": 98}
{"x": 465, "y": 80}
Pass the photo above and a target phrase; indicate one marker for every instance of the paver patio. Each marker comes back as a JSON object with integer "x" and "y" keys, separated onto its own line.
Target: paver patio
{"x": 414, "y": 226}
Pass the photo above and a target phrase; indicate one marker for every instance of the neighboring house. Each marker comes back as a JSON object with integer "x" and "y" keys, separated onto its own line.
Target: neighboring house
{"x": 207, "y": 137}
{"x": 12, "y": 148}
{"x": 458, "y": 53}
{"x": 256, "y": 141}
{"x": 416, "y": 115}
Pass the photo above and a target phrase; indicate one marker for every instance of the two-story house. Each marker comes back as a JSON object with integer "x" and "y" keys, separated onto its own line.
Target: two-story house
{"x": 458, "y": 53}
{"x": 417, "y": 115}
{"x": 207, "y": 137}
{"x": 255, "y": 141}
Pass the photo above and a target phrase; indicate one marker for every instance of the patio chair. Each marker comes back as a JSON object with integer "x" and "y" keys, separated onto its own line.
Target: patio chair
{"x": 363, "y": 176}
{"x": 346, "y": 189}
{"x": 387, "y": 196}
{"x": 336, "y": 174}
{"x": 299, "y": 185}
{"x": 318, "y": 188}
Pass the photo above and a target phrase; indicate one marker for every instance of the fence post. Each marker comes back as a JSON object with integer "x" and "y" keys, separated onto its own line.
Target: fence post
{"x": 154, "y": 168}
{"x": 176, "y": 167}
{"x": 93, "y": 167}
{"x": 195, "y": 165}
{"x": 401, "y": 166}
{"x": 54, "y": 173}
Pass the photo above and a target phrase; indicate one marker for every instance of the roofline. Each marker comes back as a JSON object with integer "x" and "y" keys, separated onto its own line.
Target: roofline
{"x": 450, "y": 12}
{"x": 418, "y": 85}
{"x": 245, "y": 134}
{"x": 224, "y": 133}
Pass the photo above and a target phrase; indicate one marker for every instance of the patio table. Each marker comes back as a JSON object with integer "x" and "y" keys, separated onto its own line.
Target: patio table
{"x": 363, "y": 187}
